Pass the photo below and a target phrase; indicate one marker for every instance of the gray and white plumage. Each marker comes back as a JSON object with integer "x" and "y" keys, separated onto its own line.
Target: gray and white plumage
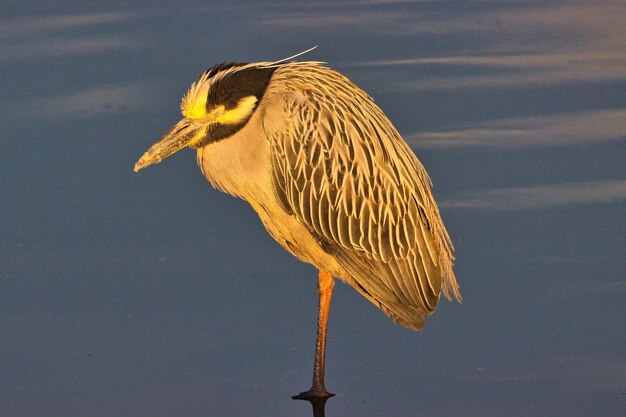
{"x": 330, "y": 177}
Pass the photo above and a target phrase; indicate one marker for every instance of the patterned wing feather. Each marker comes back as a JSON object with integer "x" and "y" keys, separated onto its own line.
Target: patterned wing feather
{"x": 342, "y": 169}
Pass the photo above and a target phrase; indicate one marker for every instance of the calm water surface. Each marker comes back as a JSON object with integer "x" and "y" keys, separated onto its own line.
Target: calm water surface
{"x": 151, "y": 294}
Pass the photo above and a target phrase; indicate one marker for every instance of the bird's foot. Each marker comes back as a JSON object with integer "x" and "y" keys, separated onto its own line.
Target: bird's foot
{"x": 313, "y": 394}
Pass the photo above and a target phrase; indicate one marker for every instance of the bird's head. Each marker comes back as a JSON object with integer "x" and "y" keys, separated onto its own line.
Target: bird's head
{"x": 216, "y": 106}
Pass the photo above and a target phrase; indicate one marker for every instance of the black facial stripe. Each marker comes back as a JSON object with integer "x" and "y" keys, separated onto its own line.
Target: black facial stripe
{"x": 217, "y": 132}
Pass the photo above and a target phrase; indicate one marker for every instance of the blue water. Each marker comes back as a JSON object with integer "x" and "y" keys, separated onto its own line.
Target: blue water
{"x": 152, "y": 294}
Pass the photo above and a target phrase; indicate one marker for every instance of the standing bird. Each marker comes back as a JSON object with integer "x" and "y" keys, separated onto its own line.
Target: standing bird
{"x": 331, "y": 179}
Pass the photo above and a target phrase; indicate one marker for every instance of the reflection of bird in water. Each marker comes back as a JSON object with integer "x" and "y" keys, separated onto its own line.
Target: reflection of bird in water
{"x": 329, "y": 176}
{"x": 319, "y": 405}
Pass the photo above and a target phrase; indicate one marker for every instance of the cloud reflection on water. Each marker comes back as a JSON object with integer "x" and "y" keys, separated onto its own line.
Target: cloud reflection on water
{"x": 529, "y": 45}
{"x": 42, "y": 37}
{"x": 543, "y": 196}
{"x": 509, "y": 70}
{"x": 565, "y": 129}
{"x": 98, "y": 101}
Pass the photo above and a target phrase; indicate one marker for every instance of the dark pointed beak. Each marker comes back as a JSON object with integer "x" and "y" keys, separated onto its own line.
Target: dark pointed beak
{"x": 180, "y": 136}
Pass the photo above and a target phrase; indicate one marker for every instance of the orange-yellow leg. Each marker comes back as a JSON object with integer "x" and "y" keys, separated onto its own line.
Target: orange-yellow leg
{"x": 325, "y": 285}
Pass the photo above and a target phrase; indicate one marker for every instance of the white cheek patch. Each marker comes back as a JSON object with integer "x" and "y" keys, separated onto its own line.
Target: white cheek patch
{"x": 244, "y": 109}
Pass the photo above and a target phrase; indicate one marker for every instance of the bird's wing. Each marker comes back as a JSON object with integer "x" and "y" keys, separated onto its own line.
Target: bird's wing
{"x": 366, "y": 199}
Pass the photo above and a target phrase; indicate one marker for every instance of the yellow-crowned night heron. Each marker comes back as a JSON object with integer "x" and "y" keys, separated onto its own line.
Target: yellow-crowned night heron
{"x": 331, "y": 179}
